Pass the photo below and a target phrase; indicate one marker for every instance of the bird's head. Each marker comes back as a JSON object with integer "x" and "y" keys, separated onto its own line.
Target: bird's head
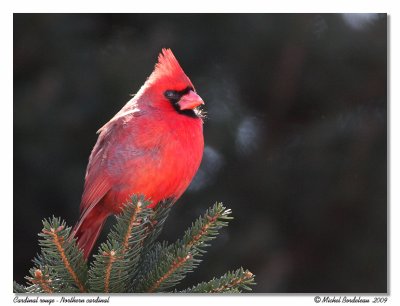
{"x": 171, "y": 89}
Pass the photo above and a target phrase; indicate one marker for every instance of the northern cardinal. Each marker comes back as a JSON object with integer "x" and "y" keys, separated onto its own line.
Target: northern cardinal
{"x": 153, "y": 147}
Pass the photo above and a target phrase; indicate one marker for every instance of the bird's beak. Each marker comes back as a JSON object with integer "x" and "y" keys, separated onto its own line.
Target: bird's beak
{"x": 190, "y": 101}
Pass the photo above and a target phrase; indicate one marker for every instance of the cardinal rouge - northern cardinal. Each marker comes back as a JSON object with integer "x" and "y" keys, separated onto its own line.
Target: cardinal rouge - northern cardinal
{"x": 153, "y": 147}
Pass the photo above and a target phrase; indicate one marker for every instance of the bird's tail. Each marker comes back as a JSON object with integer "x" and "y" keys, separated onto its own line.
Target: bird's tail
{"x": 88, "y": 228}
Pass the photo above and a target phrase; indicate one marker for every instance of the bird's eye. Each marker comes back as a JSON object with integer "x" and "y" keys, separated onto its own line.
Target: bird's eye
{"x": 172, "y": 95}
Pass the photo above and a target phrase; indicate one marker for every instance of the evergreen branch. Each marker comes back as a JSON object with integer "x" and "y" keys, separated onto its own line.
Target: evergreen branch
{"x": 168, "y": 265}
{"x": 64, "y": 258}
{"x": 131, "y": 227}
{"x": 231, "y": 282}
{"x": 43, "y": 281}
{"x": 157, "y": 220}
{"x": 106, "y": 271}
{"x": 40, "y": 261}
{"x": 131, "y": 260}
{"x": 58, "y": 242}
{"x": 205, "y": 228}
{"x": 133, "y": 221}
{"x": 236, "y": 281}
{"x": 115, "y": 267}
{"x": 155, "y": 226}
{"x": 112, "y": 258}
{"x": 17, "y": 288}
{"x": 207, "y": 225}
{"x": 41, "y": 270}
{"x": 178, "y": 263}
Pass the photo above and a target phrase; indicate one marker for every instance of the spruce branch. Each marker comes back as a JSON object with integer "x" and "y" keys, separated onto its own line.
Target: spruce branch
{"x": 43, "y": 280}
{"x": 168, "y": 265}
{"x": 63, "y": 255}
{"x": 157, "y": 221}
{"x": 40, "y": 282}
{"x": 177, "y": 264}
{"x": 131, "y": 260}
{"x": 206, "y": 228}
{"x": 155, "y": 226}
{"x": 17, "y": 288}
{"x": 40, "y": 278}
{"x": 231, "y": 282}
{"x": 134, "y": 220}
{"x": 113, "y": 269}
{"x": 111, "y": 259}
{"x": 106, "y": 269}
{"x": 172, "y": 266}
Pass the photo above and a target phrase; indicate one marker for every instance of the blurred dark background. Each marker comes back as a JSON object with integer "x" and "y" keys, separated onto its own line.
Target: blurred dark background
{"x": 296, "y": 135}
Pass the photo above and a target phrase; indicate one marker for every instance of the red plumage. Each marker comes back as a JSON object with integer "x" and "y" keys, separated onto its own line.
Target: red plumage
{"x": 153, "y": 146}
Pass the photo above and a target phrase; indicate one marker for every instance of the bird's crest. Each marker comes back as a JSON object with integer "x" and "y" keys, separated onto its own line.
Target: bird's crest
{"x": 168, "y": 67}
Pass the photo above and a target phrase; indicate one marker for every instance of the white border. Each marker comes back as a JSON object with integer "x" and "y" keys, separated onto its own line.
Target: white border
{"x": 6, "y": 86}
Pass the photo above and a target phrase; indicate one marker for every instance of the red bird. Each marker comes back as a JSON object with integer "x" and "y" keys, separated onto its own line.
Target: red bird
{"x": 153, "y": 146}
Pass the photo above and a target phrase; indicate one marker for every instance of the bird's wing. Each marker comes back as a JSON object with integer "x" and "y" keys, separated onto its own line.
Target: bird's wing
{"x": 98, "y": 181}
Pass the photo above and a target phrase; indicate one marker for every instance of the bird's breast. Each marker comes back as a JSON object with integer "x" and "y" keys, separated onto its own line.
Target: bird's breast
{"x": 159, "y": 160}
